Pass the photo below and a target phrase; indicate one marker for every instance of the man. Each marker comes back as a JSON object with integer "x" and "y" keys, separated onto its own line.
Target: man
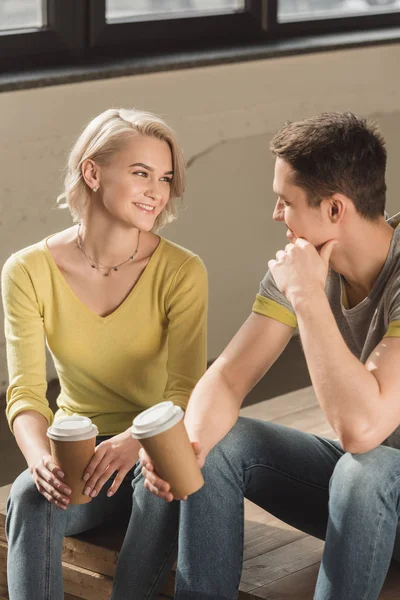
{"x": 338, "y": 281}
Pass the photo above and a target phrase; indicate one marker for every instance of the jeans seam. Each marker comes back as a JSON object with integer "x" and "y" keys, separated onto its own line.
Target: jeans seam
{"x": 371, "y": 570}
{"x": 162, "y": 568}
{"x": 48, "y": 553}
{"x": 241, "y": 545}
{"x": 287, "y": 475}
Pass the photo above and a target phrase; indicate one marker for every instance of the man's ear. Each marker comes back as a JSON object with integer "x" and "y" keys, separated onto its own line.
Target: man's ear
{"x": 337, "y": 204}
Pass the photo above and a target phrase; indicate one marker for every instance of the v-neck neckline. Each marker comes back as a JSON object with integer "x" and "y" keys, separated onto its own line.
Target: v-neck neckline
{"x": 131, "y": 294}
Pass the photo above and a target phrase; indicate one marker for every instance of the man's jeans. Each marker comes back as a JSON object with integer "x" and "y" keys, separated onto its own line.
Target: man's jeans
{"x": 291, "y": 474}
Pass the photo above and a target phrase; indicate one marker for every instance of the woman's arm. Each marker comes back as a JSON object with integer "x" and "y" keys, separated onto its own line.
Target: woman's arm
{"x": 28, "y": 411}
{"x": 30, "y": 433}
{"x": 186, "y": 309}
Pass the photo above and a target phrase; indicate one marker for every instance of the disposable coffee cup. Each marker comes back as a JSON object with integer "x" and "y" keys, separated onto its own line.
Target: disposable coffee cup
{"x": 72, "y": 442}
{"x": 161, "y": 431}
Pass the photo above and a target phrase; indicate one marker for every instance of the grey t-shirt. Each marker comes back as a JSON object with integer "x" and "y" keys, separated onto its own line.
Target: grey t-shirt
{"x": 362, "y": 326}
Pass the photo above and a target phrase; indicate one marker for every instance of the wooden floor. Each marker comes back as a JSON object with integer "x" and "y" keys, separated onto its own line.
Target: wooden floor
{"x": 281, "y": 563}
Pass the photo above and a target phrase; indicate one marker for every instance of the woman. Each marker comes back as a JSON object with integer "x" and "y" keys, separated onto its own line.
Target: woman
{"x": 123, "y": 312}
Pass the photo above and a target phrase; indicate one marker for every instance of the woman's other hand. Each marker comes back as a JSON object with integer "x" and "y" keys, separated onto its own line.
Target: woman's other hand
{"x": 153, "y": 481}
{"x": 48, "y": 479}
{"x": 119, "y": 453}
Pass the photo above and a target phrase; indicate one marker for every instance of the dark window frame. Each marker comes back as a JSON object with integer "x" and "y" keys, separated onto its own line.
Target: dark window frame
{"x": 182, "y": 34}
{"x": 62, "y": 39}
{"x": 78, "y": 34}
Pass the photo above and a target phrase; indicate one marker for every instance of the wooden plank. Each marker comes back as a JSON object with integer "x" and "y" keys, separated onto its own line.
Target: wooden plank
{"x": 311, "y": 420}
{"x": 277, "y": 408}
{"x": 264, "y": 532}
{"x": 86, "y": 584}
{"x": 281, "y": 562}
{"x": 296, "y": 586}
{"x": 77, "y": 551}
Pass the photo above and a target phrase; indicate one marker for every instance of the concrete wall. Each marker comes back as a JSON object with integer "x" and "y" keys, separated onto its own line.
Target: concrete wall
{"x": 224, "y": 117}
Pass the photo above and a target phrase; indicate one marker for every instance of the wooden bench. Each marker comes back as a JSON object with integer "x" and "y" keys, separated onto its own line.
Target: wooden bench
{"x": 280, "y": 562}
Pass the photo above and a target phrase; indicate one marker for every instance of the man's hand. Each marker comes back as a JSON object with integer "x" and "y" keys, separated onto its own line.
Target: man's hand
{"x": 300, "y": 270}
{"x": 119, "y": 453}
{"x": 153, "y": 481}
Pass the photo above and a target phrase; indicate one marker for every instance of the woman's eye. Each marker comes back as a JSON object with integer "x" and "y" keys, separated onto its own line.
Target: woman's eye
{"x": 141, "y": 173}
{"x": 167, "y": 179}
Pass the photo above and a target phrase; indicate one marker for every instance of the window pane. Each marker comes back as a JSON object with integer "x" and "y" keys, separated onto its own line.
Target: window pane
{"x": 122, "y": 9}
{"x": 300, "y": 10}
{"x": 20, "y": 14}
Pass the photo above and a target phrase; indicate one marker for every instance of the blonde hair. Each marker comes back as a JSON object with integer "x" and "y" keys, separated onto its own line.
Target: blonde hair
{"x": 107, "y": 134}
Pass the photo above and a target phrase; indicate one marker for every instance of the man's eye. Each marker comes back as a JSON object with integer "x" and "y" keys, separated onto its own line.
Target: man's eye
{"x": 141, "y": 173}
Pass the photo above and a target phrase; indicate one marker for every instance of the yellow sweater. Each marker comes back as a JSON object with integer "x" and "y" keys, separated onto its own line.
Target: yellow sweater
{"x": 151, "y": 348}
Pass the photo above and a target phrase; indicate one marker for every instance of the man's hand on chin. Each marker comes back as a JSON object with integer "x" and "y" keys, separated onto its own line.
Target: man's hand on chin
{"x": 300, "y": 270}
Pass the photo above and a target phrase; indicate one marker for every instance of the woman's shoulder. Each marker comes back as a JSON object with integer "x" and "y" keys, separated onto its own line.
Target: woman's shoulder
{"x": 178, "y": 255}
{"x": 29, "y": 258}
{"x": 184, "y": 269}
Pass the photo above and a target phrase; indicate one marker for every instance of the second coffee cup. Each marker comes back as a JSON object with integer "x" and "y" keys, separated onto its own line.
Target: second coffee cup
{"x": 72, "y": 442}
{"x": 161, "y": 432}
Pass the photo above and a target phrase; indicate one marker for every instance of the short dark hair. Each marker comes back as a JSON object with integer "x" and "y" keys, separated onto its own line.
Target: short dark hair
{"x": 336, "y": 153}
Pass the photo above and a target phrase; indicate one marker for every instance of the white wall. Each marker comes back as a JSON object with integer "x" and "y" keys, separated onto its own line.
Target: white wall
{"x": 224, "y": 116}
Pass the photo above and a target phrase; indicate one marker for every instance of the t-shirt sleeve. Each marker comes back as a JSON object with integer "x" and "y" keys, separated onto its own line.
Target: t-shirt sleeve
{"x": 394, "y": 313}
{"x": 25, "y": 343}
{"x": 186, "y": 307}
{"x": 270, "y": 302}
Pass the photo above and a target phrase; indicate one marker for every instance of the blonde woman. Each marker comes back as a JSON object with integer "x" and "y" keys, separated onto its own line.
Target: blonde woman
{"x": 123, "y": 312}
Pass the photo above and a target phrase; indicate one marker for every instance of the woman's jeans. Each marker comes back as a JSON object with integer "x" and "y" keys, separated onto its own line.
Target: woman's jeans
{"x": 36, "y": 528}
{"x": 352, "y": 501}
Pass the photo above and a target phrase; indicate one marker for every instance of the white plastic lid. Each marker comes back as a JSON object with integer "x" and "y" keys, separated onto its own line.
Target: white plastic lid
{"x": 156, "y": 419}
{"x": 72, "y": 429}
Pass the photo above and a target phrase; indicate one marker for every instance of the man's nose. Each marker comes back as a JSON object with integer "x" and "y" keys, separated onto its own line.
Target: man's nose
{"x": 279, "y": 211}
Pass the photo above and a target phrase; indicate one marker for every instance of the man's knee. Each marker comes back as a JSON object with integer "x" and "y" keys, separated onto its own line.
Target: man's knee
{"x": 229, "y": 455}
{"x": 365, "y": 473}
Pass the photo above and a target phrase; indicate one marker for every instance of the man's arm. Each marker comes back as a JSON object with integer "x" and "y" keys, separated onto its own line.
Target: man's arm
{"x": 214, "y": 405}
{"x": 361, "y": 402}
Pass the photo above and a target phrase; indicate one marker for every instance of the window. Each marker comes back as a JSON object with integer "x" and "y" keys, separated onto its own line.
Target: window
{"x": 20, "y": 14}
{"x": 40, "y": 33}
{"x": 299, "y": 10}
{"x": 153, "y": 9}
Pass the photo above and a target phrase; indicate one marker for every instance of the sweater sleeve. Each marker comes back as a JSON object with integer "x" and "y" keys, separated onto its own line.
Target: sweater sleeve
{"x": 25, "y": 343}
{"x": 186, "y": 307}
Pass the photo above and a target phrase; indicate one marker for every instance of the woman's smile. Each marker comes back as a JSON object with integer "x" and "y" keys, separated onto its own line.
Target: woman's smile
{"x": 147, "y": 208}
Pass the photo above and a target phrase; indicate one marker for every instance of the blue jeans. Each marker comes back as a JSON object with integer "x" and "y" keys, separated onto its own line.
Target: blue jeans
{"x": 36, "y": 528}
{"x": 352, "y": 501}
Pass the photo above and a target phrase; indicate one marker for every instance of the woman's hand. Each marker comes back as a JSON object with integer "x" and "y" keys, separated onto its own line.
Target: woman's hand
{"x": 119, "y": 453}
{"x": 47, "y": 477}
{"x": 153, "y": 481}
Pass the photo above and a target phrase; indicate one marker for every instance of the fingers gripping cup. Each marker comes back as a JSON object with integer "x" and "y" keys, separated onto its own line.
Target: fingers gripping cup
{"x": 161, "y": 431}
{"x": 72, "y": 442}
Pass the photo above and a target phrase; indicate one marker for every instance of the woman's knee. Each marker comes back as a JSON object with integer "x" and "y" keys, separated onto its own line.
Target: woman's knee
{"x": 24, "y": 495}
